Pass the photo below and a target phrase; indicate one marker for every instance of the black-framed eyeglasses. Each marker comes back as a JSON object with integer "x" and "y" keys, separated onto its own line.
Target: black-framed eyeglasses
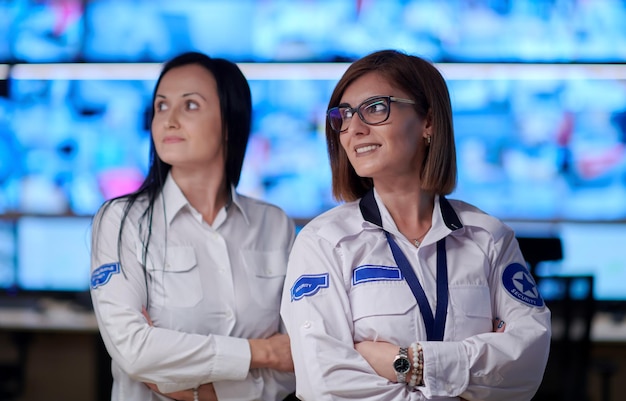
{"x": 372, "y": 111}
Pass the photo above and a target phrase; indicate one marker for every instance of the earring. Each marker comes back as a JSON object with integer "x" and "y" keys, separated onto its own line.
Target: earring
{"x": 428, "y": 140}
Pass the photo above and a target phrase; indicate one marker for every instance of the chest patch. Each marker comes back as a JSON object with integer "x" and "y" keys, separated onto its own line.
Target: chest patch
{"x": 367, "y": 273}
{"x": 307, "y": 285}
{"x": 102, "y": 274}
{"x": 521, "y": 286}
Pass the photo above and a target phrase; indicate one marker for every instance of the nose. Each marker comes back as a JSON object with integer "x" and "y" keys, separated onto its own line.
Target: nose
{"x": 357, "y": 126}
{"x": 172, "y": 120}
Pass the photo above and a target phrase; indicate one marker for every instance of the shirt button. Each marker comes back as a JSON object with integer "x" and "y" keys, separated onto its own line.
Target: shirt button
{"x": 229, "y": 314}
{"x": 306, "y": 324}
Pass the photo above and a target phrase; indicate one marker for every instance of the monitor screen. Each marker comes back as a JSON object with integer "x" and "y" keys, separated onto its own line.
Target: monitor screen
{"x": 595, "y": 249}
{"x": 541, "y": 142}
{"x": 53, "y": 254}
{"x": 534, "y": 142}
{"x": 41, "y": 31}
{"x": 335, "y": 30}
{"x": 78, "y": 142}
{"x": 304, "y": 30}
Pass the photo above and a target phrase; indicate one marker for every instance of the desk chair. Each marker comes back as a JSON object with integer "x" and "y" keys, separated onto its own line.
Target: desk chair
{"x": 570, "y": 299}
{"x": 13, "y": 373}
{"x": 540, "y": 249}
{"x": 12, "y": 381}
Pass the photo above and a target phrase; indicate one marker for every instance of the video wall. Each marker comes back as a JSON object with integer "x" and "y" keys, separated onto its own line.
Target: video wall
{"x": 538, "y": 91}
{"x": 535, "y": 142}
{"x": 312, "y": 30}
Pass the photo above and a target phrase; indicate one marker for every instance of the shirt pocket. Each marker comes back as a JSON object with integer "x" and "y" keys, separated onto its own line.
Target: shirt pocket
{"x": 381, "y": 310}
{"x": 175, "y": 277}
{"x": 471, "y": 305}
{"x": 266, "y": 272}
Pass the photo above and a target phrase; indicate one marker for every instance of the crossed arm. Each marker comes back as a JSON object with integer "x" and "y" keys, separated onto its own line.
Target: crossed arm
{"x": 271, "y": 353}
{"x": 380, "y": 355}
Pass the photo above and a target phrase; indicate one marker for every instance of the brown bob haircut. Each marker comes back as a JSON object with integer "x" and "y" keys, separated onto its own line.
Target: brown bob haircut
{"x": 427, "y": 87}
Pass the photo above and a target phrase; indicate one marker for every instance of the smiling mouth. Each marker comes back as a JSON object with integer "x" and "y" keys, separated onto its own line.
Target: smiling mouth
{"x": 367, "y": 148}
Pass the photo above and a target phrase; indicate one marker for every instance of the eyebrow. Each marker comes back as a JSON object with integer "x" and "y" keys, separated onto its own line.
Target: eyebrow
{"x": 345, "y": 104}
{"x": 184, "y": 95}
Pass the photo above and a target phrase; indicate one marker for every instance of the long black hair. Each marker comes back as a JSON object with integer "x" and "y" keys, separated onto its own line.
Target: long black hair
{"x": 236, "y": 112}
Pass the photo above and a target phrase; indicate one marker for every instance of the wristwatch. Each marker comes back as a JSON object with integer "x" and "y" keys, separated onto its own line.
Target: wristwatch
{"x": 402, "y": 364}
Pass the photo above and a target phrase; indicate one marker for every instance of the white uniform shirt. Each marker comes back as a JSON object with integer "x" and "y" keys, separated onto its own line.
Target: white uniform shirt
{"x": 327, "y": 307}
{"x": 209, "y": 289}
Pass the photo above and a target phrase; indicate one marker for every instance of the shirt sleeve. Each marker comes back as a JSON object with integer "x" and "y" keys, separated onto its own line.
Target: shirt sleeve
{"x": 260, "y": 384}
{"x": 494, "y": 366}
{"x": 175, "y": 360}
{"x": 316, "y": 310}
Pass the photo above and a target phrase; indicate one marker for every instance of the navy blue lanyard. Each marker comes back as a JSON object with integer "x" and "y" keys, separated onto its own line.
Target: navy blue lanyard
{"x": 435, "y": 326}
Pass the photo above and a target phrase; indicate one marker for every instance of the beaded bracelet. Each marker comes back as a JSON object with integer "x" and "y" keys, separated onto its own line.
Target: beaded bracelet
{"x": 195, "y": 394}
{"x": 417, "y": 378}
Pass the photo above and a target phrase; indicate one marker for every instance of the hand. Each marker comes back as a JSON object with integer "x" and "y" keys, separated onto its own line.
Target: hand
{"x": 380, "y": 356}
{"x": 498, "y": 325}
{"x": 273, "y": 353}
{"x": 144, "y": 312}
{"x": 206, "y": 392}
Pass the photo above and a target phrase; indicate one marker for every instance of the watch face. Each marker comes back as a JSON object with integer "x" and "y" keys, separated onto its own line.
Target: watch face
{"x": 402, "y": 365}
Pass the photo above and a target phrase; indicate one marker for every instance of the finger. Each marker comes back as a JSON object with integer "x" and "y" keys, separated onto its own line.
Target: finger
{"x": 145, "y": 314}
{"x": 498, "y": 325}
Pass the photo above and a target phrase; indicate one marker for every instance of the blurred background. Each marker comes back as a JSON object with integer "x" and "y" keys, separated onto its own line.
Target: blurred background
{"x": 538, "y": 91}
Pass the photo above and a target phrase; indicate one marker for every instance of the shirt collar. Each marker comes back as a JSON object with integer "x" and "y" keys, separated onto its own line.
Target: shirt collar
{"x": 235, "y": 199}
{"x": 175, "y": 200}
{"x": 374, "y": 211}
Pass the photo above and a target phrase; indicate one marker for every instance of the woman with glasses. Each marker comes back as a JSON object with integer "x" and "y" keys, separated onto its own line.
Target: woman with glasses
{"x": 187, "y": 274}
{"x": 400, "y": 293}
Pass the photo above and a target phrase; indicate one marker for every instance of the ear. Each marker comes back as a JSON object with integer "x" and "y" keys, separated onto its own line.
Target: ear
{"x": 428, "y": 127}
{"x": 428, "y": 123}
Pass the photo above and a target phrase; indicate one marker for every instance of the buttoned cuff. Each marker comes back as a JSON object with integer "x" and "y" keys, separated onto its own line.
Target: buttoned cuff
{"x": 446, "y": 369}
{"x": 232, "y": 360}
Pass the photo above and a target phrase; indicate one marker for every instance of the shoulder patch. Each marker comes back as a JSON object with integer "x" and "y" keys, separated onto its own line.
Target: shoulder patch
{"x": 102, "y": 274}
{"x": 307, "y": 285}
{"x": 520, "y": 285}
{"x": 367, "y": 273}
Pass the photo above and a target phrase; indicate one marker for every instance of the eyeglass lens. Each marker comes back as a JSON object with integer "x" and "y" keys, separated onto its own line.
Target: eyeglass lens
{"x": 371, "y": 111}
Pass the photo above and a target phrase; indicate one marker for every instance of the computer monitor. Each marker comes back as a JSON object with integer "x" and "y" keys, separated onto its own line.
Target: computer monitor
{"x": 53, "y": 254}
{"x": 41, "y": 31}
{"x": 595, "y": 249}
{"x": 534, "y": 142}
{"x": 333, "y": 30}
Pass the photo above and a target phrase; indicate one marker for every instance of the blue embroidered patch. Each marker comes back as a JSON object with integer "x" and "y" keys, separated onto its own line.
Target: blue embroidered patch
{"x": 307, "y": 285}
{"x": 520, "y": 285}
{"x": 366, "y": 273}
{"x": 102, "y": 274}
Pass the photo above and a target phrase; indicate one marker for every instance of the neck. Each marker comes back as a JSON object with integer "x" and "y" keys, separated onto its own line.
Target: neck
{"x": 411, "y": 210}
{"x": 204, "y": 192}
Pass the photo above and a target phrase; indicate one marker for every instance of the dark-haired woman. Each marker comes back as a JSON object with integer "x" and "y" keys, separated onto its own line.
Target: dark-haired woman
{"x": 187, "y": 273}
{"x": 393, "y": 294}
